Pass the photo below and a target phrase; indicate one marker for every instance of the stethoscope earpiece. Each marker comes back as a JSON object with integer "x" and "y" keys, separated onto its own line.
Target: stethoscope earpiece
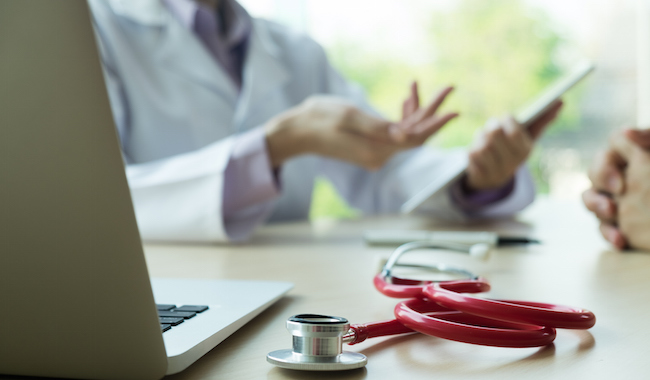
{"x": 480, "y": 251}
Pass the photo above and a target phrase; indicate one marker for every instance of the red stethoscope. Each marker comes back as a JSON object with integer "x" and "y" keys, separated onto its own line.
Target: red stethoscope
{"x": 438, "y": 308}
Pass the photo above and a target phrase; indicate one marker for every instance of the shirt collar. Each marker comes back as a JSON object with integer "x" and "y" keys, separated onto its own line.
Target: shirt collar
{"x": 239, "y": 25}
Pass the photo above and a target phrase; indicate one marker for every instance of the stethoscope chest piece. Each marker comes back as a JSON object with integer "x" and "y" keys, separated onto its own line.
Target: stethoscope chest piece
{"x": 317, "y": 345}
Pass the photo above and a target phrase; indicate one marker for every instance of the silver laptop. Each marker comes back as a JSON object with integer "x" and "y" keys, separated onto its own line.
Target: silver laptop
{"x": 75, "y": 294}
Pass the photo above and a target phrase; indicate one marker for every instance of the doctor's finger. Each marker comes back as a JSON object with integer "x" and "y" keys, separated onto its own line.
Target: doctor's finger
{"x": 420, "y": 132}
{"x": 519, "y": 140}
{"x": 613, "y": 235}
{"x": 483, "y": 170}
{"x": 538, "y": 126}
{"x": 477, "y": 172}
{"x": 412, "y": 103}
{"x": 496, "y": 144}
{"x": 512, "y": 145}
{"x": 436, "y": 103}
{"x": 407, "y": 108}
{"x": 606, "y": 173}
{"x": 601, "y": 205}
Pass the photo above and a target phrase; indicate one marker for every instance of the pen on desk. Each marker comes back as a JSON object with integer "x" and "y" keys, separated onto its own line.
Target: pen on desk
{"x": 398, "y": 237}
{"x": 512, "y": 240}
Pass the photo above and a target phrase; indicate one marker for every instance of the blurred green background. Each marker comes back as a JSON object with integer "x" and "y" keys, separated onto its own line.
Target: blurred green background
{"x": 498, "y": 54}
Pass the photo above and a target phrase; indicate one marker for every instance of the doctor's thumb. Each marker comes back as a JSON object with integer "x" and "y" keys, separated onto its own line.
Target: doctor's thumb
{"x": 373, "y": 127}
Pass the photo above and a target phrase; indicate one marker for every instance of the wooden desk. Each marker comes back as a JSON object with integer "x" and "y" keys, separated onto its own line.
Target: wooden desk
{"x": 333, "y": 269}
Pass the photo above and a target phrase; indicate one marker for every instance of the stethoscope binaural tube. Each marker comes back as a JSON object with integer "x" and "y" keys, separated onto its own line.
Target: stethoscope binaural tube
{"x": 479, "y": 251}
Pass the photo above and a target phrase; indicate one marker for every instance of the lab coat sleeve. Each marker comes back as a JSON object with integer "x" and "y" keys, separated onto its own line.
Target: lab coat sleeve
{"x": 385, "y": 190}
{"x": 180, "y": 198}
{"x": 165, "y": 194}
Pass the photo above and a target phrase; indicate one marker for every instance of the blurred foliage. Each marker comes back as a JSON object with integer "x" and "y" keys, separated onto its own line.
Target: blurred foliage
{"x": 326, "y": 202}
{"x": 499, "y": 55}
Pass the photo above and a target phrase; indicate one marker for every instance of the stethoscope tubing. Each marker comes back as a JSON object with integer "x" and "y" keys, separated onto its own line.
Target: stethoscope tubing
{"x": 535, "y": 313}
{"x": 439, "y": 309}
{"x": 467, "y": 328}
{"x": 430, "y": 318}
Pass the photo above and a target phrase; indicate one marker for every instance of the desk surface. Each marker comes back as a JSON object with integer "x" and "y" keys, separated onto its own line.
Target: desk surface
{"x": 332, "y": 270}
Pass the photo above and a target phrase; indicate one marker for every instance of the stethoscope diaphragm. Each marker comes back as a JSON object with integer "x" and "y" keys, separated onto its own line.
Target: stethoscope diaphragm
{"x": 317, "y": 345}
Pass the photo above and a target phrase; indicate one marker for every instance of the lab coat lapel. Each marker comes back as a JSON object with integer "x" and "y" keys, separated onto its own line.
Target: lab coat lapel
{"x": 195, "y": 62}
{"x": 263, "y": 72}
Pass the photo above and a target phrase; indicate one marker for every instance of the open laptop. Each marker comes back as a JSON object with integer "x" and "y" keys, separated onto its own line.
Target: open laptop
{"x": 75, "y": 294}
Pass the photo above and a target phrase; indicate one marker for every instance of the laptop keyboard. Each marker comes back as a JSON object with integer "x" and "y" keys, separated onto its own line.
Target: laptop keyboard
{"x": 171, "y": 315}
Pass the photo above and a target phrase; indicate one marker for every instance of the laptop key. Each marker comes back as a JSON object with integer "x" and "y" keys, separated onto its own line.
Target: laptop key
{"x": 165, "y": 327}
{"x": 164, "y": 307}
{"x": 174, "y": 314}
{"x": 171, "y": 321}
{"x": 192, "y": 308}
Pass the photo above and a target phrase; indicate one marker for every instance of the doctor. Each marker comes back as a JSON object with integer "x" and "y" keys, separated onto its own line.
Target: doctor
{"x": 225, "y": 122}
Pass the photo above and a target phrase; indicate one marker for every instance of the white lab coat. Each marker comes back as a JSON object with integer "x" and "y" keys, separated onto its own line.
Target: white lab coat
{"x": 177, "y": 112}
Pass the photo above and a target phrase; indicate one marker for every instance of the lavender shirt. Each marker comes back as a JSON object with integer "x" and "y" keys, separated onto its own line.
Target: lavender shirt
{"x": 249, "y": 177}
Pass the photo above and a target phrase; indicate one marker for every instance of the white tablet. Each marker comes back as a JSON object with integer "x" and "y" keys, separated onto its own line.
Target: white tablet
{"x": 527, "y": 116}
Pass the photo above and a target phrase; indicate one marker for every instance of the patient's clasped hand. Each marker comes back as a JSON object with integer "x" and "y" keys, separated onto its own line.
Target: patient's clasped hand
{"x": 620, "y": 192}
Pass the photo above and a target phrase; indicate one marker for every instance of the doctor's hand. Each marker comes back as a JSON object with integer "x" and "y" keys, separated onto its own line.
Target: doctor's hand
{"x": 330, "y": 127}
{"x": 620, "y": 192}
{"x": 418, "y": 124}
{"x": 501, "y": 147}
